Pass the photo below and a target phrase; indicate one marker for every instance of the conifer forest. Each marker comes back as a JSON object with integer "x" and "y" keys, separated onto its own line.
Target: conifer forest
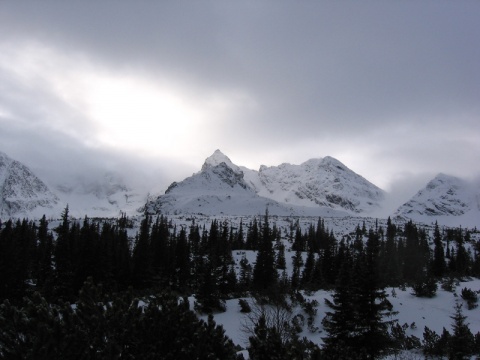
{"x": 106, "y": 289}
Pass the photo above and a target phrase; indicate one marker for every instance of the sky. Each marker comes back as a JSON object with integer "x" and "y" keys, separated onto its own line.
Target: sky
{"x": 149, "y": 89}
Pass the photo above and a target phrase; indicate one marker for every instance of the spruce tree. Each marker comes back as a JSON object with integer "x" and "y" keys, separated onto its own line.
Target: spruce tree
{"x": 280, "y": 262}
{"x": 297, "y": 262}
{"x": 389, "y": 258}
{"x": 264, "y": 272}
{"x": 64, "y": 257}
{"x": 341, "y": 322}
{"x": 142, "y": 271}
{"x": 308, "y": 271}
{"x": 438, "y": 263}
{"x": 266, "y": 343}
{"x": 372, "y": 303}
{"x": 462, "y": 342}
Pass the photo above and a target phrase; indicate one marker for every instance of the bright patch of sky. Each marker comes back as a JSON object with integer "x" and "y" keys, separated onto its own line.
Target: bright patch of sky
{"x": 389, "y": 89}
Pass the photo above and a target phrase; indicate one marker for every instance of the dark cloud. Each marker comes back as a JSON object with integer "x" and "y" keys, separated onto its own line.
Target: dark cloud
{"x": 388, "y": 87}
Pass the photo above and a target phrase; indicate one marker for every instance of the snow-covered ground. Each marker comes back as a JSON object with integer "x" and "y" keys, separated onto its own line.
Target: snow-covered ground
{"x": 416, "y": 312}
{"x": 435, "y": 313}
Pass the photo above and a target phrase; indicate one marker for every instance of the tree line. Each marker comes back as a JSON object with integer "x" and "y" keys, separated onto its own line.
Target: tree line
{"x": 48, "y": 270}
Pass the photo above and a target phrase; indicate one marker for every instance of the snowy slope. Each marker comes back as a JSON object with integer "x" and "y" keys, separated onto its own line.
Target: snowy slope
{"x": 218, "y": 189}
{"x": 21, "y": 192}
{"x": 323, "y": 187}
{"x": 435, "y": 313}
{"x": 318, "y": 182}
{"x": 446, "y": 199}
{"x": 105, "y": 196}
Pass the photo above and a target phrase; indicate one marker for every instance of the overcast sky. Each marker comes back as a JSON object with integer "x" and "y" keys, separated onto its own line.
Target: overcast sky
{"x": 152, "y": 88}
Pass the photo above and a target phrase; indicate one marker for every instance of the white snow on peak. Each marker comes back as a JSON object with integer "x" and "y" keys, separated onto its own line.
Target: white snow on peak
{"x": 315, "y": 184}
{"x": 217, "y": 158}
{"x": 448, "y": 199}
{"x": 101, "y": 196}
{"x": 21, "y": 192}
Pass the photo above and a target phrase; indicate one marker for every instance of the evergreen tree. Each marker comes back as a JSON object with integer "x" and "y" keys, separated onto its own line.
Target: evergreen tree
{"x": 264, "y": 272}
{"x": 208, "y": 297}
{"x": 297, "y": 262}
{"x": 162, "y": 255}
{"x": 245, "y": 274}
{"x": 438, "y": 263}
{"x": 462, "y": 259}
{"x": 253, "y": 236}
{"x": 462, "y": 342}
{"x": 329, "y": 271}
{"x": 340, "y": 323}
{"x": 372, "y": 303}
{"x": 142, "y": 272}
{"x": 280, "y": 262}
{"x": 430, "y": 343}
{"x": 266, "y": 344}
{"x": 44, "y": 268}
{"x": 97, "y": 328}
{"x": 308, "y": 280}
{"x": 389, "y": 262}
{"x": 239, "y": 242}
{"x": 64, "y": 257}
{"x": 182, "y": 261}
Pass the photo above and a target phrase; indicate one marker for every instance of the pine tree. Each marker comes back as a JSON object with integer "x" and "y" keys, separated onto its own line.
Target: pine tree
{"x": 430, "y": 343}
{"x": 44, "y": 268}
{"x": 462, "y": 342}
{"x": 340, "y": 323}
{"x": 245, "y": 274}
{"x": 308, "y": 271}
{"x": 266, "y": 344}
{"x": 329, "y": 271}
{"x": 372, "y": 304}
{"x": 16, "y": 258}
{"x": 208, "y": 297}
{"x": 264, "y": 272}
{"x": 297, "y": 262}
{"x": 280, "y": 262}
{"x": 239, "y": 242}
{"x": 253, "y": 236}
{"x": 389, "y": 265}
{"x": 462, "y": 259}
{"x": 64, "y": 258}
{"x": 182, "y": 261}
{"x": 438, "y": 263}
{"x": 142, "y": 257}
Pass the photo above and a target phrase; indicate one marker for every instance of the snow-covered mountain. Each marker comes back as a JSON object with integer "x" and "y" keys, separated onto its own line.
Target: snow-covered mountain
{"x": 317, "y": 182}
{"x": 21, "y": 192}
{"x": 446, "y": 199}
{"x": 218, "y": 189}
{"x": 316, "y": 187}
{"x": 103, "y": 196}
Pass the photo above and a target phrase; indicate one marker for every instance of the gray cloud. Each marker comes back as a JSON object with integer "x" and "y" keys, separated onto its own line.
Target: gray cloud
{"x": 390, "y": 88}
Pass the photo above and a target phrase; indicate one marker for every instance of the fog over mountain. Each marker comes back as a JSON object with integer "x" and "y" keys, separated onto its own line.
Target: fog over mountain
{"x": 318, "y": 187}
{"x": 390, "y": 89}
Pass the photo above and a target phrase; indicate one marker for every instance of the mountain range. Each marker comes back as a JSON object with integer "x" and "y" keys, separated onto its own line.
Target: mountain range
{"x": 23, "y": 194}
{"x": 318, "y": 187}
{"x": 323, "y": 187}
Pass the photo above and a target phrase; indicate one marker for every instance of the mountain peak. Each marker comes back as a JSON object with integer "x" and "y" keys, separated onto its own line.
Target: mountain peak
{"x": 444, "y": 195}
{"x": 218, "y": 158}
{"x": 20, "y": 190}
